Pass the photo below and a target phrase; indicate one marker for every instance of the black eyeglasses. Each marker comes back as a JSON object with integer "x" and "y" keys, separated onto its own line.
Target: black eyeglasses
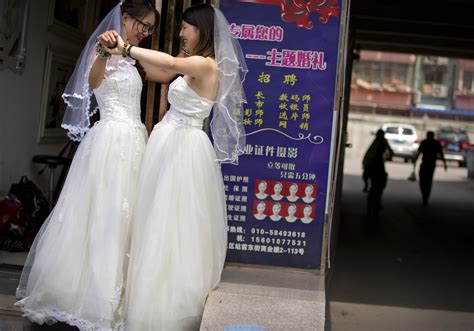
{"x": 145, "y": 28}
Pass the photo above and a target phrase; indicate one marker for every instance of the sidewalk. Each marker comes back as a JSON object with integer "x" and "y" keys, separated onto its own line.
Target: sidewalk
{"x": 277, "y": 299}
{"x": 413, "y": 270}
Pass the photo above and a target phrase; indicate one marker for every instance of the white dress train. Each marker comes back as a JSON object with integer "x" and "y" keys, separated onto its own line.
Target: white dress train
{"x": 180, "y": 229}
{"x": 76, "y": 269}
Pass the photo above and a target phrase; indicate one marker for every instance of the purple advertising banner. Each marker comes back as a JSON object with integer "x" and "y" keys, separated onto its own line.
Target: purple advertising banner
{"x": 276, "y": 196}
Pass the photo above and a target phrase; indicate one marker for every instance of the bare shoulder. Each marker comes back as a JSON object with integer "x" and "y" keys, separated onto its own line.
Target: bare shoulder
{"x": 212, "y": 62}
{"x": 212, "y": 65}
{"x": 202, "y": 61}
{"x": 205, "y": 83}
{"x": 199, "y": 66}
{"x": 207, "y": 69}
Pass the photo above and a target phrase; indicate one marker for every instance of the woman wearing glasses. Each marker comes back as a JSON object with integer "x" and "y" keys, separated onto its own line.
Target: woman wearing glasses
{"x": 76, "y": 269}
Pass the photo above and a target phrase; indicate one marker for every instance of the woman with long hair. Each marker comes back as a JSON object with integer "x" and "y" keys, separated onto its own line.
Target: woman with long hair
{"x": 77, "y": 267}
{"x": 180, "y": 233}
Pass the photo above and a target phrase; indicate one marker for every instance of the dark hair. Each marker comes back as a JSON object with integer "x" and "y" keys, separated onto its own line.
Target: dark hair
{"x": 430, "y": 134}
{"x": 140, "y": 8}
{"x": 202, "y": 17}
{"x": 380, "y": 133}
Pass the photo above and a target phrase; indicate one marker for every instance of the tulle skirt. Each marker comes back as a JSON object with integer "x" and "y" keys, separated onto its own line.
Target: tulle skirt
{"x": 76, "y": 269}
{"x": 179, "y": 233}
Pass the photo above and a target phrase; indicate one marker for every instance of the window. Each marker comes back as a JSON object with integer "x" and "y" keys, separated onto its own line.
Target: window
{"x": 399, "y": 130}
{"x": 467, "y": 83}
{"x": 435, "y": 76}
{"x": 386, "y": 76}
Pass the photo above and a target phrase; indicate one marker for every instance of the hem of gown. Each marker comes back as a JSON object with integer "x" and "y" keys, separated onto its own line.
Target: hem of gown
{"x": 52, "y": 315}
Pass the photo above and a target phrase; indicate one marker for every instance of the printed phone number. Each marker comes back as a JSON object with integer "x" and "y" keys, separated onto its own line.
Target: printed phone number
{"x": 278, "y": 241}
{"x": 278, "y": 233}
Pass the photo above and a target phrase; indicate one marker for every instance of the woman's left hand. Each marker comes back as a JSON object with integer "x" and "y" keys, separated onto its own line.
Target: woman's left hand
{"x": 117, "y": 50}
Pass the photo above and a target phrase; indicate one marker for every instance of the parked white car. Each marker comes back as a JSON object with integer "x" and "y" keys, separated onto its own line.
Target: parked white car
{"x": 403, "y": 139}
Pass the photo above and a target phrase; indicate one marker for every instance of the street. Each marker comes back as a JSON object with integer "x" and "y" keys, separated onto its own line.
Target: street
{"x": 412, "y": 269}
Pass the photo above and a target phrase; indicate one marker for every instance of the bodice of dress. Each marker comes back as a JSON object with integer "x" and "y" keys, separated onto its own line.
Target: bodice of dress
{"x": 118, "y": 96}
{"x": 188, "y": 109}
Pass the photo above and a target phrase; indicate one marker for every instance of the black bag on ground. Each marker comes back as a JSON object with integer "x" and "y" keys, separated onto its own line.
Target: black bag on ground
{"x": 34, "y": 211}
{"x": 13, "y": 225}
{"x": 32, "y": 199}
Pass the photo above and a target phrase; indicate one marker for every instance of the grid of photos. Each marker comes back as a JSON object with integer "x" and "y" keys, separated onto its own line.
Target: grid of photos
{"x": 284, "y": 201}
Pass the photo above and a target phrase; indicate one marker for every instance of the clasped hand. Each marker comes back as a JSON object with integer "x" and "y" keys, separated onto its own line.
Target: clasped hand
{"x": 112, "y": 42}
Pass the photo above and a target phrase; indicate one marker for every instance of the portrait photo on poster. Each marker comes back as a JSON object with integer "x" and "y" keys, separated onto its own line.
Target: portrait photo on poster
{"x": 293, "y": 213}
{"x": 260, "y": 191}
{"x": 309, "y": 194}
{"x": 308, "y": 214}
{"x": 276, "y": 210}
{"x": 291, "y": 210}
{"x": 259, "y": 210}
{"x": 293, "y": 190}
{"x": 277, "y": 189}
{"x": 285, "y": 191}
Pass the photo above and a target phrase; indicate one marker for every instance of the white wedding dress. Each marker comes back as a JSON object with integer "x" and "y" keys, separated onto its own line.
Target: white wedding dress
{"x": 76, "y": 269}
{"x": 180, "y": 229}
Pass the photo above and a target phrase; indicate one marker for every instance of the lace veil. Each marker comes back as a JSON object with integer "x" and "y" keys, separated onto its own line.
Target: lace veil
{"x": 227, "y": 120}
{"x": 78, "y": 96}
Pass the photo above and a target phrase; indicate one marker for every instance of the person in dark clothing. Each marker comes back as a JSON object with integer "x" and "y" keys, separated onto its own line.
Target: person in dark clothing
{"x": 374, "y": 170}
{"x": 431, "y": 149}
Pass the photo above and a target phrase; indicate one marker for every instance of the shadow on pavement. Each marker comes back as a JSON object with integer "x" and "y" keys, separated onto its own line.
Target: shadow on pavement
{"x": 412, "y": 255}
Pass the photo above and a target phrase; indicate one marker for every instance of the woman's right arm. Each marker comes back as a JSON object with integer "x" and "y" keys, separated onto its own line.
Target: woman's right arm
{"x": 156, "y": 74}
{"x": 97, "y": 73}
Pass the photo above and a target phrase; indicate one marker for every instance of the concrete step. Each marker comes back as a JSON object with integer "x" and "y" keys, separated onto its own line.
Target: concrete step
{"x": 272, "y": 298}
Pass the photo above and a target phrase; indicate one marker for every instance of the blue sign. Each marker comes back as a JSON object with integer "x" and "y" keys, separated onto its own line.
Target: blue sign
{"x": 276, "y": 196}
